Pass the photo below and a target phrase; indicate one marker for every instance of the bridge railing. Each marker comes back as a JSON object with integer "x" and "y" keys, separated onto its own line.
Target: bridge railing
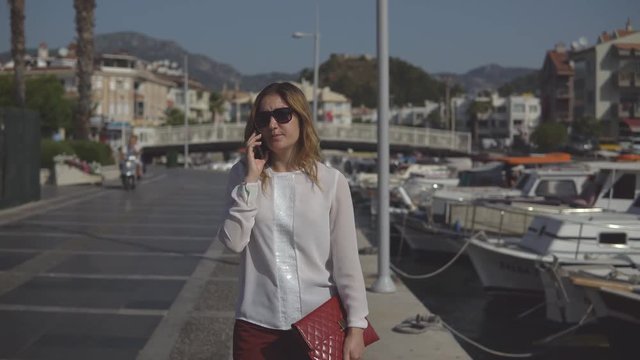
{"x": 363, "y": 133}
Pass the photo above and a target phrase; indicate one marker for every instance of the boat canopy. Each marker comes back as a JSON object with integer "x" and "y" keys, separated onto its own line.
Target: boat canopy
{"x": 550, "y": 158}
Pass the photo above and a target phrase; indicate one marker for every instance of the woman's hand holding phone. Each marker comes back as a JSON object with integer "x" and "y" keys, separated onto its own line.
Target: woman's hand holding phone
{"x": 256, "y": 157}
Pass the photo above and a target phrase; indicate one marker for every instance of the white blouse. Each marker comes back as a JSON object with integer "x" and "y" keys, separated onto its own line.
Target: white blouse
{"x": 298, "y": 246}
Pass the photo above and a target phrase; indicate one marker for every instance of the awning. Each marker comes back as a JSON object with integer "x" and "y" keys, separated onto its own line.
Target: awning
{"x": 632, "y": 123}
{"x": 117, "y": 125}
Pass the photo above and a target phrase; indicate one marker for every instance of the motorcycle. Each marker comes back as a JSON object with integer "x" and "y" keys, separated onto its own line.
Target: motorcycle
{"x": 128, "y": 172}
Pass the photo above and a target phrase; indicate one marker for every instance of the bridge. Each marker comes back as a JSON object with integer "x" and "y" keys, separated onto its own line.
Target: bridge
{"x": 359, "y": 137}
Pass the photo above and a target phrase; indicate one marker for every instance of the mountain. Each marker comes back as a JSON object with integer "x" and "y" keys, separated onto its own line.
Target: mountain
{"x": 211, "y": 73}
{"x": 214, "y": 74}
{"x": 487, "y": 77}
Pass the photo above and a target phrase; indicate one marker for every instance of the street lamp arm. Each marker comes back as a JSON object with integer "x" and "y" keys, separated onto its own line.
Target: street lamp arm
{"x": 299, "y": 34}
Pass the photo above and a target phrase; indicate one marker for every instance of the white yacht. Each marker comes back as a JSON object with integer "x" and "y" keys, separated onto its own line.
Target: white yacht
{"x": 453, "y": 212}
{"x": 575, "y": 236}
{"x": 510, "y": 264}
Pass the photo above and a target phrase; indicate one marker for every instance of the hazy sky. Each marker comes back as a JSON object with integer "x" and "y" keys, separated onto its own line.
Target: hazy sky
{"x": 254, "y": 36}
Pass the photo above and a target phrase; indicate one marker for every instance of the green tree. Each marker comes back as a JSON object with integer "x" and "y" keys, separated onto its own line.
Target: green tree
{"x": 435, "y": 120}
{"x": 216, "y": 103}
{"x": 474, "y": 112}
{"x": 549, "y": 136}
{"x": 587, "y": 126}
{"x": 175, "y": 117}
{"x": 46, "y": 96}
{"x": 357, "y": 78}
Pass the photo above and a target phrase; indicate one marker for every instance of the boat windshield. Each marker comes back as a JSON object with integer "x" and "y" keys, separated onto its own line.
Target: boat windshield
{"x": 523, "y": 181}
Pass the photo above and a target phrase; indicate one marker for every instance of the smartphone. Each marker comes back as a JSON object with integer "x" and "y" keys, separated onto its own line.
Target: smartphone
{"x": 259, "y": 152}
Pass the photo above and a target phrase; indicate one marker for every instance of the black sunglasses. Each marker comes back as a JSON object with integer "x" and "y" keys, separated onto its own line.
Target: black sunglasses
{"x": 282, "y": 116}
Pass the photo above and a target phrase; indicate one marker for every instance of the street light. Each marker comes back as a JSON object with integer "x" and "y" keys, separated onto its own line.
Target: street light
{"x": 316, "y": 53}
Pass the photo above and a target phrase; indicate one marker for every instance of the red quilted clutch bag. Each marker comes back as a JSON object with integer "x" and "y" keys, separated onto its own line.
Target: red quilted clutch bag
{"x": 324, "y": 330}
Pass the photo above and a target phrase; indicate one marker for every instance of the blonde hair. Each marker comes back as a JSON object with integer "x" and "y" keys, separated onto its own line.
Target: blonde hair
{"x": 307, "y": 149}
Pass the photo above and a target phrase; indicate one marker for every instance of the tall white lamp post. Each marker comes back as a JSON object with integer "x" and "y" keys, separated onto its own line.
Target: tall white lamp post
{"x": 316, "y": 61}
{"x": 186, "y": 112}
{"x": 384, "y": 283}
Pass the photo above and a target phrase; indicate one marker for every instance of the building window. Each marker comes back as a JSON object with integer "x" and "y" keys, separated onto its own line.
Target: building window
{"x": 519, "y": 108}
{"x": 533, "y": 108}
{"x": 140, "y": 109}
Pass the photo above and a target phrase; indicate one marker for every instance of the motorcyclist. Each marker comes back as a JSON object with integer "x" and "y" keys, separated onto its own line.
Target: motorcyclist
{"x": 132, "y": 149}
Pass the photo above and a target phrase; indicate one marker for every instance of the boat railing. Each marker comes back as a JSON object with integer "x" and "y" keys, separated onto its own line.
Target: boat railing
{"x": 502, "y": 219}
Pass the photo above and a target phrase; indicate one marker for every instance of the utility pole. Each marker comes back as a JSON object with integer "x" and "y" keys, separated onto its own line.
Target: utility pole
{"x": 384, "y": 283}
{"x": 447, "y": 103}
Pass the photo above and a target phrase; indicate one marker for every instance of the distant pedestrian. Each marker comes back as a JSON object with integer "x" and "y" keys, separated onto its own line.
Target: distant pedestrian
{"x": 132, "y": 149}
{"x": 291, "y": 218}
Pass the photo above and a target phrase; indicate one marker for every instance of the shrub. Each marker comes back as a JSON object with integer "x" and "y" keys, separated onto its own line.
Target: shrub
{"x": 49, "y": 149}
{"x": 90, "y": 151}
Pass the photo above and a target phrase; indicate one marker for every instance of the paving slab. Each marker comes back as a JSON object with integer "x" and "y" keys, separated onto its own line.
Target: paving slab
{"x": 38, "y": 335}
{"x": 95, "y": 293}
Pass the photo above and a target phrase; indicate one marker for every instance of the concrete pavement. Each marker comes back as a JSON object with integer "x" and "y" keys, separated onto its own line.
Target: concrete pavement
{"x": 100, "y": 273}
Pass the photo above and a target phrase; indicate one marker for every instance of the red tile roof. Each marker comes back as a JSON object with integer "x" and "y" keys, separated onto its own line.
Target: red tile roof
{"x": 627, "y": 46}
{"x": 633, "y": 123}
{"x": 616, "y": 34}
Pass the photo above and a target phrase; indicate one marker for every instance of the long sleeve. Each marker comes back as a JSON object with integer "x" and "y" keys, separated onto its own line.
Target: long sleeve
{"x": 240, "y": 210}
{"x": 347, "y": 272}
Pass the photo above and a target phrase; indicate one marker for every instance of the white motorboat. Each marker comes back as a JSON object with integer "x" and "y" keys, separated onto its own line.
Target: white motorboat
{"x": 451, "y": 213}
{"x": 581, "y": 237}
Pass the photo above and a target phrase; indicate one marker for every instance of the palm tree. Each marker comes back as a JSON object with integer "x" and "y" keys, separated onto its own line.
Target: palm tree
{"x": 17, "y": 49}
{"x": 84, "y": 27}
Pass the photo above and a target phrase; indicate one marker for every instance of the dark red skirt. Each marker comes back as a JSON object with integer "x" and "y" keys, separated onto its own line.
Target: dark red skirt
{"x": 255, "y": 342}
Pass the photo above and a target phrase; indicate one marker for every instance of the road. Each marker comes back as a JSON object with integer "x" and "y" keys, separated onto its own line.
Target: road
{"x": 110, "y": 274}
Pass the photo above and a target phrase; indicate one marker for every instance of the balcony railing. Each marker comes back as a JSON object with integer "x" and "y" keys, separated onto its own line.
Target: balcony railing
{"x": 625, "y": 79}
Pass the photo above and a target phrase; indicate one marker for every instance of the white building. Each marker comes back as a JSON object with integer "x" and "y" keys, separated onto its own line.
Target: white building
{"x": 523, "y": 116}
{"x": 198, "y": 97}
{"x": 332, "y": 106}
{"x": 414, "y": 115}
{"x": 123, "y": 90}
{"x": 500, "y": 120}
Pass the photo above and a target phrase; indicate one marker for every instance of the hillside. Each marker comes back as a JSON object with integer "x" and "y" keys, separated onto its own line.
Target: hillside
{"x": 209, "y": 72}
{"x": 356, "y": 77}
{"x": 487, "y": 77}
